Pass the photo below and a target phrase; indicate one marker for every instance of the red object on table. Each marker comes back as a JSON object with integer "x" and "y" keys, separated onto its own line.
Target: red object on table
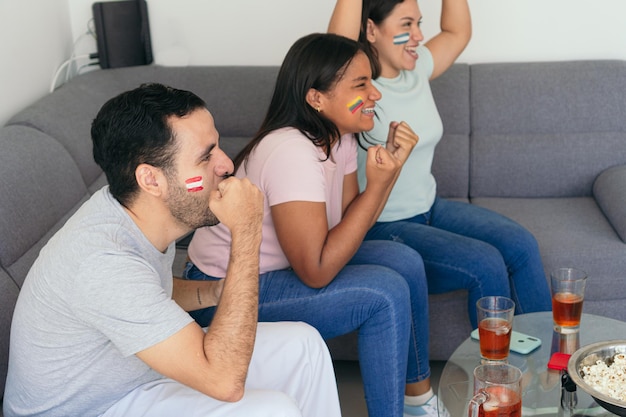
{"x": 559, "y": 361}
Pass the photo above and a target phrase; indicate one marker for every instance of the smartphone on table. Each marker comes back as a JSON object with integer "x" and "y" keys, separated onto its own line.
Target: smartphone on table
{"x": 520, "y": 342}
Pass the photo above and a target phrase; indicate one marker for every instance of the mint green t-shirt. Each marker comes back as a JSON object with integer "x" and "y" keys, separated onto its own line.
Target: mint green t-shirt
{"x": 408, "y": 98}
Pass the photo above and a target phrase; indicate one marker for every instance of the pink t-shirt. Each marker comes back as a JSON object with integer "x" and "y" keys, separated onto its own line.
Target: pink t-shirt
{"x": 286, "y": 166}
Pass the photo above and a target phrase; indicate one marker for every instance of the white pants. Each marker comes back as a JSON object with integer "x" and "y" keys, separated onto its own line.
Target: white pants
{"x": 290, "y": 374}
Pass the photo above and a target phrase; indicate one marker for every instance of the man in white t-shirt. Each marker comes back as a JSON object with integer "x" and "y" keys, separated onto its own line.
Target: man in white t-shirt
{"x": 101, "y": 328}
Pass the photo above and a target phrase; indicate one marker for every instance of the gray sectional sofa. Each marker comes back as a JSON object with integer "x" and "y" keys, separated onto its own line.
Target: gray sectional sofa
{"x": 543, "y": 143}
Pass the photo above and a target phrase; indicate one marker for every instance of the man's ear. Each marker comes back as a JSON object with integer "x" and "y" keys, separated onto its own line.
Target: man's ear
{"x": 314, "y": 99}
{"x": 370, "y": 31}
{"x": 150, "y": 179}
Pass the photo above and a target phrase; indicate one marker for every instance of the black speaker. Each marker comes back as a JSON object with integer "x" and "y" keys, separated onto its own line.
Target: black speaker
{"x": 123, "y": 33}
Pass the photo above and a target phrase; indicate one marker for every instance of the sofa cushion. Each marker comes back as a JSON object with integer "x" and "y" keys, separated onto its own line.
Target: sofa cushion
{"x": 66, "y": 116}
{"x": 9, "y": 291}
{"x": 533, "y": 135}
{"x": 573, "y": 232}
{"x": 609, "y": 189}
{"x": 546, "y": 97}
{"x": 40, "y": 186}
{"x": 451, "y": 160}
{"x": 238, "y": 96}
{"x": 548, "y": 165}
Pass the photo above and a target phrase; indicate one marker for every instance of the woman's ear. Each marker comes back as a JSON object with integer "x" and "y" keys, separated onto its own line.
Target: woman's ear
{"x": 314, "y": 99}
{"x": 370, "y": 31}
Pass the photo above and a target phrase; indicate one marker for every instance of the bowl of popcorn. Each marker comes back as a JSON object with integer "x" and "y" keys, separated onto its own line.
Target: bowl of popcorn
{"x": 599, "y": 369}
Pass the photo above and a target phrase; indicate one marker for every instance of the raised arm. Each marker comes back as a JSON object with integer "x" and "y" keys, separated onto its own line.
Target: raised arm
{"x": 216, "y": 363}
{"x": 456, "y": 31}
{"x": 346, "y": 18}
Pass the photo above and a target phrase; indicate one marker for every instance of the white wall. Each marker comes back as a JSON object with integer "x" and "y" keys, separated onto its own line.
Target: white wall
{"x": 547, "y": 30}
{"x": 36, "y": 36}
{"x": 239, "y": 32}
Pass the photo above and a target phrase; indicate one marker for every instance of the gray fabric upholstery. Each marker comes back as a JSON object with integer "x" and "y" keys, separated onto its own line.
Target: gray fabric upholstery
{"x": 40, "y": 185}
{"x": 66, "y": 115}
{"x": 451, "y": 161}
{"x": 555, "y": 165}
{"x": 573, "y": 232}
{"x": 9, "y": 291}
{"x": 543, "y": 143}
{"x": 237, "y": 96}
{"x": 545, "y": 129}
{"x": 609, "y": 189}
{"x": 548, "y": 97}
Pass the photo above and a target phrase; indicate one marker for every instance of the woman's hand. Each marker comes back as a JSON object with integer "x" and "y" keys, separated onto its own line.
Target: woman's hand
{"x": 401, "y": 140}
{"x": 381, "y": 168}
{"x": 383, "y": 164}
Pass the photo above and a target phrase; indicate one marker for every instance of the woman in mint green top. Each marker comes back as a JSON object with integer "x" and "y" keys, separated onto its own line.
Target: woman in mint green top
{"x": 463, "y": 246}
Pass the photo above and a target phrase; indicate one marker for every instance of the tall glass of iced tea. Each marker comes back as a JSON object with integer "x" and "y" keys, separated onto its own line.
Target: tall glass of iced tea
{"x": 497, "y": 391}
{"x": 567, "y": 286}
{"x": 495, "y": 321}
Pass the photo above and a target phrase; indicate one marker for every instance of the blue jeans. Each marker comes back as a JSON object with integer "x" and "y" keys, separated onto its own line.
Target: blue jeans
{"x": 464, "y": 246}
{"x": 382, "y": 292}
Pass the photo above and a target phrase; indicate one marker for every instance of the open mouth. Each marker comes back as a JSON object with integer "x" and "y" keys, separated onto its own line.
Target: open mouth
{"x": 368, "y": 110}
{"x": 411, "y": 50}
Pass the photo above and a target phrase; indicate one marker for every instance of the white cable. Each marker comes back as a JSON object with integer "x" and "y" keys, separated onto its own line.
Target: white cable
{"x": 82, "y": 67}
{"x": 63, "y": 65}
{"x": 69, "y": 73}
{"x": 74, "y": 57}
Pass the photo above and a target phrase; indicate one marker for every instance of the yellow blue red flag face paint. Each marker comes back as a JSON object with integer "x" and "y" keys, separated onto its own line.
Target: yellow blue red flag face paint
{"x": 355, "y": 104}
{"x": 401, "y": 38}
{"x": 194, "y": 184}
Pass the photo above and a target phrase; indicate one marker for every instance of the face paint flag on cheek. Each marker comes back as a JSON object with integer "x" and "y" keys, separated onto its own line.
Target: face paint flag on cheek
{"x": 355, "y": 104}
{"x": 401, "y": 38}
{"x": 194, "y": 184}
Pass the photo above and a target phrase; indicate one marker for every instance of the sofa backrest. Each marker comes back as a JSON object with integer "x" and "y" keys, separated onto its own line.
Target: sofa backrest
{"x": 451, "y": 162}
{"x": 40, "y": 184}
{"x": 545, "y": 129}
{"x": 40, "y": 187}
{"x": 237, "y": 96}
{"x": 66, "y": 115}
{"x": 9, "y": 291}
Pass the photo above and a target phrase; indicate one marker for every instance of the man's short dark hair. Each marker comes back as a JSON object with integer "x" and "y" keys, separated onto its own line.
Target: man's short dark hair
{"x": 133, "y": 128}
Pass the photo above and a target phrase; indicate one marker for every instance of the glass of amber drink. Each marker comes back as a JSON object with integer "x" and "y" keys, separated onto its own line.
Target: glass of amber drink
{"x": 497, "y": 391}
{"x": 495, "y": 322}
{"x": 567, "y": 286}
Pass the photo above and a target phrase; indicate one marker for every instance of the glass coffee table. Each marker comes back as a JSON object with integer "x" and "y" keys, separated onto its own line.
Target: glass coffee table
{"x": 543, "y": 394}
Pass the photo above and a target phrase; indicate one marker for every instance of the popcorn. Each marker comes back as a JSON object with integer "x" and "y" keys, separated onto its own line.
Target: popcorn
{"x": 608, "y": 380}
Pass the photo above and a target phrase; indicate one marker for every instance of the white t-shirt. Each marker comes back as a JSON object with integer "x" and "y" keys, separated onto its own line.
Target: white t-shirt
{"x": 286, "y": 166}
{"x": 408, "y": 98}
{"x": 98, "y": 293}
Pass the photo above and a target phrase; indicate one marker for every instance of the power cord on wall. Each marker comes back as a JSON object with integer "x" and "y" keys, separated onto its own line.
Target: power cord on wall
{"x": 67, "y": 66}
{"x": 90, "y": 33}
{"x": 67, "y": 63}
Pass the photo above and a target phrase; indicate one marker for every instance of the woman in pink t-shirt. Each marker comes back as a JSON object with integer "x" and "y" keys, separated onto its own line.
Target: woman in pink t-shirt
{"x": 315, "y": 266}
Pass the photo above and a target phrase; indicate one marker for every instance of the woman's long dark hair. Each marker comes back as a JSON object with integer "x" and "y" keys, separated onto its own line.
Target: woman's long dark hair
{"x": 315, "y": 61}
{"x": 377, "y": 11}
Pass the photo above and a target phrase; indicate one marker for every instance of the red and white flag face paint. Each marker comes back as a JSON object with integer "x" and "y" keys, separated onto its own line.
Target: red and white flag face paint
{"x": 194, "y": 184}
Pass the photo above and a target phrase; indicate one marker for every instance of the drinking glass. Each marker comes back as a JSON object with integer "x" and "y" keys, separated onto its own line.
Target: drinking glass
{"x": 567, "y": 286}
{"x": 497, "y": 391}
{"x": 495, "y": 321}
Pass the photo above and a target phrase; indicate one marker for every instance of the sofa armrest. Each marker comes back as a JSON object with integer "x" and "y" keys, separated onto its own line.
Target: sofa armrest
{"x": 609, "y": 190}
